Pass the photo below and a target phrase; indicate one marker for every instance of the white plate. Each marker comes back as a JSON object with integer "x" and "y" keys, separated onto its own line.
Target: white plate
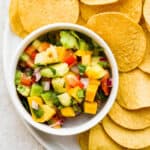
{"x": 11, "y": 41}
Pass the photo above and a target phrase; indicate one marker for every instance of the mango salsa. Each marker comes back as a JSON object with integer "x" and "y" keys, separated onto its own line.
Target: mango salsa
{"x": 90, "y": 108}
{"x": 62, "y": 74}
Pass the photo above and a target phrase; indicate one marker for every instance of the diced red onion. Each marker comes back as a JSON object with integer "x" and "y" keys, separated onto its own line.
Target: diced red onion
{"x": 109, "y": 82}
{"x": 103, "y": 59}
{"x": 75, "y": 69}
{"x": 59, "y": 122}
{"x": 37, "y": 74}
{"x": 85, "y": 82}
{"x": 46, "y": 85}
{"x": 35, "y": 105}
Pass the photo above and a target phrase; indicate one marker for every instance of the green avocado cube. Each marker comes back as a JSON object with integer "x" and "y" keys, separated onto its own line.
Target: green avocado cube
{"x": 48, "y": 72}
{"x": 47, "y": 98}
{"x": 65, "y": 99}
{"x": 68, "y": 40}
{"x": 18, "y": 76}
{"x": 23, "y": 90}
{"x": 36, "y": 90}
{"x": 83, "y": 45}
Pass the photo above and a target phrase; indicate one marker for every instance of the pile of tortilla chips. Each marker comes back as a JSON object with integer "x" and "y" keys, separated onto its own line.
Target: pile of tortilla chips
{"x": 125, "y": 26}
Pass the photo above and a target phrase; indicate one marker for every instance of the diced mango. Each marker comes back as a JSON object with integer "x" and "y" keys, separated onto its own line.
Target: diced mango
{"x": 68, "y": 112}
{"x": 61, "y": 51}
{"x": 90, "y": 108}
{"x": 91, "y": 90}
{"x": 95, "y": 72}
{"x": 48, "y": 111}
{"x": 73, "y": 93}
{"x": 83, "y": 52}
{"x": 36, "y": 99}
{"x": 86, "y": 59}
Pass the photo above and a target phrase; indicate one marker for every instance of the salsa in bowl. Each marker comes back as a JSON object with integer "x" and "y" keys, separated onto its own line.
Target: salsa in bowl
{"x": 64, "y": 78}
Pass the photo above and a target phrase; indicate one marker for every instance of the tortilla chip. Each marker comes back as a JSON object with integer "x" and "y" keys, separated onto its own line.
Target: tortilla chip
{"x": 81, "y": 21}
{"x": 127, "y": 138}
{"x": 37, "y": 13}
{"x": 83, "y": 139}
{"x": 134, "y": 90}
{"x": 146, "y": 13}
{"x": 125, "y": 38}
{"x": 132, "y": 8}
{"x": 134, "y": 120}
{"x": 98, "y": 2}
{"x": 14, "y": 18}
{"x": 145, "y": 65}
{"x": 99, "y": 140}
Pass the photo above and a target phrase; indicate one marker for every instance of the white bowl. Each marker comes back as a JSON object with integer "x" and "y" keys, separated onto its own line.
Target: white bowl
{"x": 79, "y": 124}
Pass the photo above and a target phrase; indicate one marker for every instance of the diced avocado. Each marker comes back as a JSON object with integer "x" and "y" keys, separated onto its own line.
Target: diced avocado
{"x": 18, "y": 76}
{"x": 42, "y": 59}
{"x": 83, "y": 45}
{"x": 23, "y": 90}
{"x": 58, "y": 85}
{"x": 65, "y": 99}
{"x": 53, "y": 97}
{"x": 38, "y": 113}
{"x": 61, "y": 69}
{"x": 47, "y": 98}
{"x": 36, "y": 90}
{"x": 95, "y": 60}
{"x": 77, "y": 108}
{"x": 24, "y": 57}
{"x": 74, "y": 34}
{"x": 36, "y": 44}
{"x": 80, "y": 93}
{"x": 49, "y": 56}
{"x": 68, "y": 40}
{"x": 48, "y": 72}
{"x": 95, "y": 72}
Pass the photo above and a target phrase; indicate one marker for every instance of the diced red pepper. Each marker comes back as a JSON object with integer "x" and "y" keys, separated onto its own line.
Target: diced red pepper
{"x": 29, "y": 50}
{"x": 70, "y": 59}
{"x": 25, "y": 80}
{"x": 33, "y": 55}
{"x": 104, "y": 84}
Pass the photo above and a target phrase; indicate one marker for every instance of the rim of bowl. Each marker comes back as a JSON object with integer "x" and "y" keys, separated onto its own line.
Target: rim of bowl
{"x": 95, "y": 119}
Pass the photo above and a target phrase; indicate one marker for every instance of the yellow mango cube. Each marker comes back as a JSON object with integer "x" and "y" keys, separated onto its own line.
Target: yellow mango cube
{"x": 91, "y": 90}
{"x": 68, "y": 112}
{"x": 90, "y": 108}
{"x": 61, "y": 51}
{"x": 86, "y": 59}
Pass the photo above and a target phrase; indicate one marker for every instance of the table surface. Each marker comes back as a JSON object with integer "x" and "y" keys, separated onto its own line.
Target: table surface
{"x": 13, "y": 134}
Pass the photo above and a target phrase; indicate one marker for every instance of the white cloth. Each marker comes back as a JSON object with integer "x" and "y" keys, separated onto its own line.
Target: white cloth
{"x": 13, "y": 133}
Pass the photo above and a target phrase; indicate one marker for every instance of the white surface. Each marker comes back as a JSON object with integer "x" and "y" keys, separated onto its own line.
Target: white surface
{"x": 13, "y": 133}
